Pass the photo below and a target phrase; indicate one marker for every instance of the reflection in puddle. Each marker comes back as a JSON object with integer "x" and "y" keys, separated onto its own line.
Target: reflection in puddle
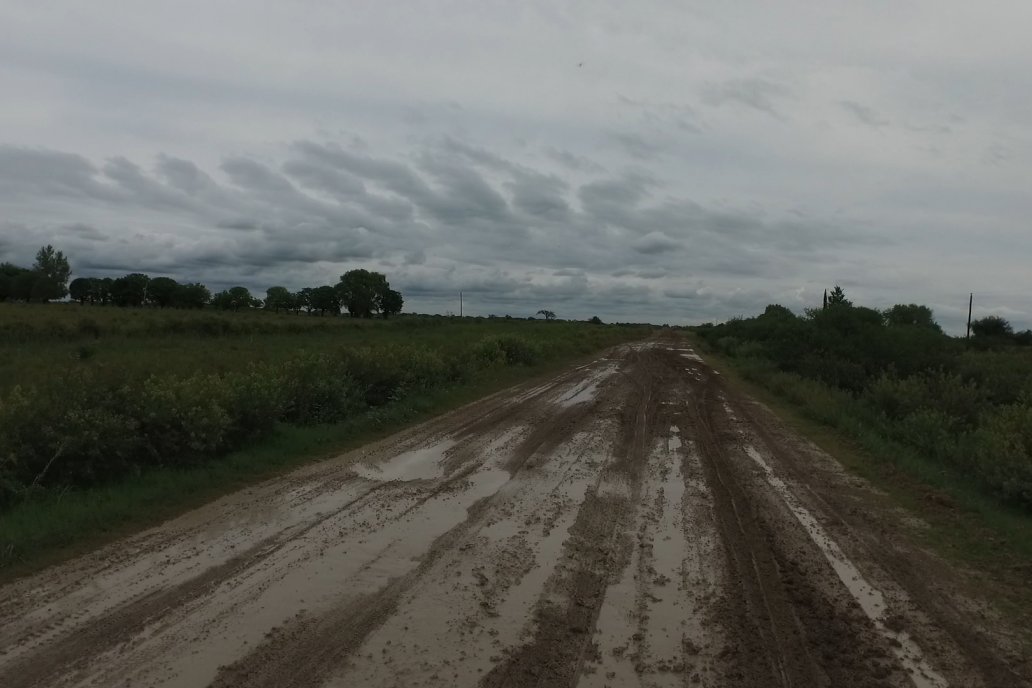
{"x": 418, "y": 464}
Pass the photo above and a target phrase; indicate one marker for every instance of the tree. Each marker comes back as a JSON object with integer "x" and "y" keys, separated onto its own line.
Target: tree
{"x": 991, "y": 326}
{"x": 324, "y": 299}
{"x": 193, "y": 295}
{"x": 548, "y": 315}
{"x": 22, "y": 285}
{"x": 391, "y": 303}
{"x": 279, "y": 298}
{"x": 776, "y": 310}
{"x": 100, "y": 290}
{"x": 362, "y": 292}
{"x": 837, "y": 297}
{"x": 912, "y": 315}
{"x": 161, "y": 291}
{"x": 130, "y": 290}
{"x": 9, "y": 273}
{"x": 304, "y": 299}
{"x": 54, "y": 267}
{"x": 81, "y": 289}
{"x": 234, "y": 299}
{"x": 595, "y": 320}
{"x": 46, "y": 288}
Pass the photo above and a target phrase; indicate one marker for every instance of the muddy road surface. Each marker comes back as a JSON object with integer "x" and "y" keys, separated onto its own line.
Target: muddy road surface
{"x": 630, "y": 522}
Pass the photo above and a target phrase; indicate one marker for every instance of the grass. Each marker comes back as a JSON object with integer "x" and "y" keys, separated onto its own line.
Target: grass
{"x": 40, "y": 341}
{"x": 51, "y": 525}
{"x": 965, "y": 525}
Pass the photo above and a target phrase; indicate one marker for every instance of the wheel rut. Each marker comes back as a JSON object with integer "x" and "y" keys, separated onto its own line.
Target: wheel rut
{"x": 630, "y": 522}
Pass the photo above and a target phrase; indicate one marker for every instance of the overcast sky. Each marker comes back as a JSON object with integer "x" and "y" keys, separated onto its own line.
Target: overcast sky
{"x": 670, "y": 162}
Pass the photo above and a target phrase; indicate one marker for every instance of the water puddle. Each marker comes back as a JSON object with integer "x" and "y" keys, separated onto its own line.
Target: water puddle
{"x": 586, "y": 390}
{"x": 424, "y": 463}
{"x": 674, "y": 441}
{"x": 870, "y": 599}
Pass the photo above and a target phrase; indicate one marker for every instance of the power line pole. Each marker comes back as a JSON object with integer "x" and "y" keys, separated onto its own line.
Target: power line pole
{"x": 460, "y": 304}
{"x": 971, "y": 301}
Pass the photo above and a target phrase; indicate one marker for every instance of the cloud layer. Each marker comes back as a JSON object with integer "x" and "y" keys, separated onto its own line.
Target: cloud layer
{"x": 656, "y": 163}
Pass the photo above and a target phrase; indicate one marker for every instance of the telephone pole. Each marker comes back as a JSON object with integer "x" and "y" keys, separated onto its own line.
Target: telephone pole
{"x": 971, "y": 301}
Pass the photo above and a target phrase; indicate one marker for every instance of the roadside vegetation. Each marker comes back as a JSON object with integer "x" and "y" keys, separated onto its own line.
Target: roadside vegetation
{"x": 99, "y": 401}
{"x": 945, "y": 409}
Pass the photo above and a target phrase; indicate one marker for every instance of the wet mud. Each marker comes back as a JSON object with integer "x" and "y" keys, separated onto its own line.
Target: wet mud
{"x": 629, "y": 522}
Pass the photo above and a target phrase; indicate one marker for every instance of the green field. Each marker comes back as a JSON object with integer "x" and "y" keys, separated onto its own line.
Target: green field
{"x": 107, "y": 411}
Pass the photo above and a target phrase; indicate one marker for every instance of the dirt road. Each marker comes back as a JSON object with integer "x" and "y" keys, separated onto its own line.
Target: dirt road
{"x": 631, "y": 522}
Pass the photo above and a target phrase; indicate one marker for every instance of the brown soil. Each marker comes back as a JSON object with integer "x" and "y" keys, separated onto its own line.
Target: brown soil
{"x": 631, "y": 522}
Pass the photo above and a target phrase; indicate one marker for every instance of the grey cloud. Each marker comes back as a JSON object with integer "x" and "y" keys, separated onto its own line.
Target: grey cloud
{"x": 84, "y": 231}
{"x": 655, "y": 242}
{"x": 42, "y": 171}
{"x": 241, "y": 224}
{"x": 864, "y": 114}
{"x": 184, "y": 175}
{"x": 254, "y": 176}
{"x": 576, "y": 163}
{"x": 637, "y": 146}
{"x": 754, "y": 92}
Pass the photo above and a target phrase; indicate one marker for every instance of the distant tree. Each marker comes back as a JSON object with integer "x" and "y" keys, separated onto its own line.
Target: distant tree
{"x": 100, "y": 290}
{"x": 391, "y": 303}
{"x": 991, "y": 326}
{"x": 9, "y": 273}
{"x": 46, "y": 288}
{"x": 325, "y": 300}
{"x": 130, "y": 290}
{"x": 23, "y": 284}
{"x": 1024, "y": 338}
{"x": 362, "y": 292}
{"x": 911, "y": 314}
{"x": 548, "y": 315}
{"x": 279, "y": 299}
{"x": 304, "y": 299}
{"x": 53, "y": 266}
{"x": 193, "y": 295}
{"x": 595, "y": 320}
{"x": 776, "y": 310}
{"x": 837, "y": 297}
{"x": 161, "y": 291}
{"x": 81, "y": 289}
{"x": 240, "y": 297}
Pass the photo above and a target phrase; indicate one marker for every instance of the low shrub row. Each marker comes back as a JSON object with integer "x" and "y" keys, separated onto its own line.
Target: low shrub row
{"x": 966, "y": 411}
{"x": 87, "y": 429}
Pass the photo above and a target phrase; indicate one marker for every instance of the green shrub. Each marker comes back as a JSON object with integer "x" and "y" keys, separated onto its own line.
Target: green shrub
{"x": 1004, "y": 454}
{"x": 183, "y": 420}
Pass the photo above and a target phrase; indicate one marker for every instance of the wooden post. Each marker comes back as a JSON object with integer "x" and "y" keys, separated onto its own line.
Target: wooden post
{"x": 971, "y": 301}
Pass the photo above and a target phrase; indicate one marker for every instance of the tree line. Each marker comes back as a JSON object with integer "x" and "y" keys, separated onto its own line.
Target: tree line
{"x": 896, "y": 383}
{"x": 363, "y": 293}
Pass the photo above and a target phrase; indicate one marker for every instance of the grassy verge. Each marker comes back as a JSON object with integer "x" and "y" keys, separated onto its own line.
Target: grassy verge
{"x": 964, "y": 525}
{"x": 58, "y": 525}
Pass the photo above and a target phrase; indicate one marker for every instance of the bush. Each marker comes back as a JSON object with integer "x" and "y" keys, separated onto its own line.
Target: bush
{"x": 95, "y": 422}
{"x": 1004, "y": 454}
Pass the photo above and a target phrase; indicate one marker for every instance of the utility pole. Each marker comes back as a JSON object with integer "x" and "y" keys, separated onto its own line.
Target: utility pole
{"x": 460, "y": 304}
{"x": 971, "y": 301}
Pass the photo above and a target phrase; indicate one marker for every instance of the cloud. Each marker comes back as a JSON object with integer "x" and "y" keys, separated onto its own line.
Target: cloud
{"x": 84, "y": 231}
{"x": 396, "y": 141}
{"x": 655, "y": 242}
{"x": 573, "y": 162}
{"x": 752, "y": 92}
{"x": 864, "y": 114}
